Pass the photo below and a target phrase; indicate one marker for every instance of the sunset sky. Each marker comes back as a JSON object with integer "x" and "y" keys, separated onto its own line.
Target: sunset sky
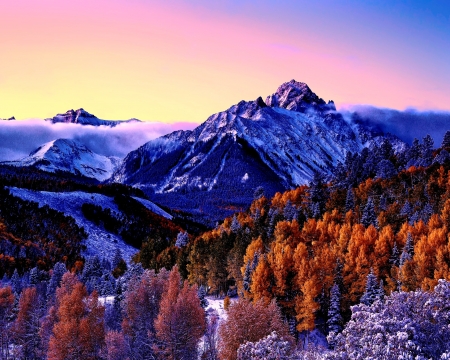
{"x": 177, "y": 61}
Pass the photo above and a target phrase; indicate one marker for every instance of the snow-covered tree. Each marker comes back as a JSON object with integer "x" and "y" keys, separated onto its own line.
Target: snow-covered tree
{"x": 201, "y": 292}
{"x": 350, "y": 200}
{"x": 395, "y": 256}
{"x": 408, "y": 250}
{"x": 182, "y": 239}
{"x": 235, "y": 225}
{"x": 386, "y": 169}
{"x": 442, "y": 158}
{"x": 58, "y": 271}
{"x": 335, "y": 320}
{"x": 372, "y": 292}
{"x": 369, "y": 216}
{"x": 446, "y": 139}
{"x": 408, "y": 325}
{"x": 272, "y": 347}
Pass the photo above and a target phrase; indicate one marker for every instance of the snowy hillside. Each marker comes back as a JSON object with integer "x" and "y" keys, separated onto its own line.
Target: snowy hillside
{"x": 69, "y": 156}
{"x": 99, "y": 242}
{"x": 82, "y": 117}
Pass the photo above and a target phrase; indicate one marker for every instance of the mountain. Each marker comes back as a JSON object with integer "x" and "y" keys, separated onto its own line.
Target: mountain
{"x": 278, "y": 144}
{"x": 9, "y": 119}
{"x": 82, "y": 117}
{"x": 69, "y": 156}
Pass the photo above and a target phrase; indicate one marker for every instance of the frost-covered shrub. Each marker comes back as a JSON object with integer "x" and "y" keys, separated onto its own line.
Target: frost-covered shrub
{"x": 408, "y": 325}
{"x": 272, "y": 347}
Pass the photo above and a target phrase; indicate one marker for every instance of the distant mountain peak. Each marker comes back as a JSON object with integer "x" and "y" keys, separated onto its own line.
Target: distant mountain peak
{"x": 295, "y": 96}
{"x": 83, "y": 117}
{"x": 9, "y": 119}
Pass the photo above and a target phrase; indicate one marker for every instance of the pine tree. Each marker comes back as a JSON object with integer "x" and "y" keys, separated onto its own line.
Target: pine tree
{"x": 116, "y": 259}
{"x": 350, "y": 200}
{"x": 369, "y": 216}
{"x": 380, "y": 291}
{"x": 335, "y": 320}
{"x": 235, "y": 225}
{"x": 395, "y": 256}
{"x": 58, "y": 271}
{"x": 16, "y": 283}
{"x": 246, "y": 282}
{"x": 34, "y": 276}
{"x": 446, "y": 140}
{"x": 202, "y": 297}
{"x": 408, "y": 250}
{"x": 372, "y": 289}
{"x": 182, "y": 239}
{"x": 426, "y": 155}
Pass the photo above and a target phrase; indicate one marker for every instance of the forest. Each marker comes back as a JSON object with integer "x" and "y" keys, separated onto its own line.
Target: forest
{"x": 359, "y": 260}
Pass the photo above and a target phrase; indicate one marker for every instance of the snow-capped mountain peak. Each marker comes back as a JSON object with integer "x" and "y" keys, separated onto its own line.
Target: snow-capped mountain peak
{"x": 277, "y": 144}
{"x": 83, "y": 117}
{"x": 70, "y": 156}
{"x": 297, "y": 96}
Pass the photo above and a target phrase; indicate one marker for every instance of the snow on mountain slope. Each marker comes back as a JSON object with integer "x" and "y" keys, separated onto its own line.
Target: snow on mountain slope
{"x": 70, "y": 156}
{"x": 154, "y": 208}
{"x": 278, "y": 143}
{"x": 81, "y": 116}
{"x": 99, "y": 241}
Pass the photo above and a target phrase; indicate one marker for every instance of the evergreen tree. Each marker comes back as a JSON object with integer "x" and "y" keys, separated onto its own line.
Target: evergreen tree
{"x": 413, "y": 154}
{"x": 235, "y": 225}
{"x": 34, "y": 276}
{"x": 116, "y": 259}
{"x": 290, "y": 211}
{"x": 318, "y": 194}
{"x": 408, "y": 250}
{"x": 247, "y": 277}
{"x": 202, "y": 296}
{"x": 446, "y": 140}
{"x": 335, "y": 320}
{"x": 380, "y": 291}
{"x": 406, "y": 209}
{"x": 442, "y": 158}
{"x": 350, "y": 200}
{"x": 395, "y": 256}
{"x": 182, "y": 239}
{"x": 16, "y": 283}
{"x": 385, "y": 169}
{"x": 426, "y": 154}
{"x": 372, "y": 292}
{"x": 369, "y": 216}
{"x": 58, "y": 271}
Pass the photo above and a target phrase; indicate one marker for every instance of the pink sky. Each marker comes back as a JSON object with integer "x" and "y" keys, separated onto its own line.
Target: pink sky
{"x": 185, "y": 60}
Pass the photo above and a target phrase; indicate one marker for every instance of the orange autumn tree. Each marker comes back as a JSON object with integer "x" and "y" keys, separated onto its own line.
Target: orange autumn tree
{"x": 181, "y": 321}
{"x": 247, "y": 321}
{"x": 79, "y": 330}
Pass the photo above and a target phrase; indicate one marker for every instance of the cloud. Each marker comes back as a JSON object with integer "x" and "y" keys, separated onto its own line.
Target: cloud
{"x": 19, "y": 138}
{"x": 407, "y": 124}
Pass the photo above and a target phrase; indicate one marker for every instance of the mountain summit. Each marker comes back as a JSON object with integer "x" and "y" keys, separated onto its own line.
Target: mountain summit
{"x": 277, "y": 144}
{"x": 297, "y": 96}
{"x": 82, "y": 117}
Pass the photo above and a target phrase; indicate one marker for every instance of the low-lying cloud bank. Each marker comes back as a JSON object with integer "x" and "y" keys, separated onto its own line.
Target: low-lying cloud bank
{"x": 19, "y": 138}
{"x": 407, "y": 124}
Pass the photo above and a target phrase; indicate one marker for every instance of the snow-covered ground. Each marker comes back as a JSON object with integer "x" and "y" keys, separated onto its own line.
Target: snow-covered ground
{"x": 99, "y": 242}
{"x": 152, "y": 207}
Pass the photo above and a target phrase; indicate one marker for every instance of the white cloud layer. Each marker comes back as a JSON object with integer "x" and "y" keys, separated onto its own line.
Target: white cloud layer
{"x": 19, "y": 138}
